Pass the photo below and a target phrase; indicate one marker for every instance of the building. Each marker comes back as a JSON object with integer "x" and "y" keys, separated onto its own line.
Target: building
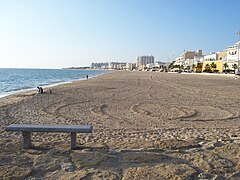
{"x": 209, "y": 61}
{"x": 214, "y": 61}
{"x": 233, "y": 55}
{"x": 214, "y": 66}
{"x": 142, "y": 61}
{"x": 117, "y": 65}
{"x": 131, "y": 66}
{"x": 222, "y": 56}
{"x": 188, "y": 58}
{"x": 211, "y": 57}
{"x": 188, "y": 55}
{"x": 179, "y": 61}
{"x": 101, "y": 65}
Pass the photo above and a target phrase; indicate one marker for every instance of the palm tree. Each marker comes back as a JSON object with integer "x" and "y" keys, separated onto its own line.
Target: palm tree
{"x": 207, "y": 68}
{"x": 225, "y": 65}
{"x": 234, "y": 66}
{"x": 171, "y": 66}
{"x": 194, "y": 67}
{"x": 181, "y": 67}
{"x": 213, "y": 66}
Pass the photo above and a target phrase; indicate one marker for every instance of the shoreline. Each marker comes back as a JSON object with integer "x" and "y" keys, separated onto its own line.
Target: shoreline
{"x": 28, "y": 90}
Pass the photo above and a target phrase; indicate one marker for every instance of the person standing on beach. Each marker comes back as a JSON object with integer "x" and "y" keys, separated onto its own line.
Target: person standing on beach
{"x": 87, "y": 77}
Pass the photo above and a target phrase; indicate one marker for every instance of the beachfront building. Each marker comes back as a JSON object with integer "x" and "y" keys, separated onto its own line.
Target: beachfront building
{"x": 131, "y": 66}
{"x": 179, "y": 61}
{"x": 192, "y": 57}
{"x": 117, "y": 65}
{"x": 101, "y": 65}
{"x": 233, "y": 55}
{"x": 211, "y": 57}
{"x": 188, "y": 58}
{"x": 159, "y": 63}
{"x": 188, "y": 55}
{"x": 142, "y": 61}
{"x": 214, "y": 61}
{"x": 222, "y": 56}
{"x": 150, "y": 66}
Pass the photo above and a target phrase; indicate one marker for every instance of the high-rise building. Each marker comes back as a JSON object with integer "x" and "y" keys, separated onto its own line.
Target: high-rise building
{"x": 142, "y": 61}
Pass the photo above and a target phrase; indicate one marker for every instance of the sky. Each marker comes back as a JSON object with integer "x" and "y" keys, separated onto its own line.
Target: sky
{"x": 66, "y": 33}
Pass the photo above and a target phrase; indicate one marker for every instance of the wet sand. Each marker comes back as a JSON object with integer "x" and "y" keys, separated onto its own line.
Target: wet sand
{"x": 147, "y": 125}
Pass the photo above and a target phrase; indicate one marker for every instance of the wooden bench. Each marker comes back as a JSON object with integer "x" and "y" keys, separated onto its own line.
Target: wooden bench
{"x": 27, "y": 129}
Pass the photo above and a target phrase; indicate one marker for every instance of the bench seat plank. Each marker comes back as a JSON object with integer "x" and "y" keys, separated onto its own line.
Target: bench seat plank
{"x": 50, "y": 128}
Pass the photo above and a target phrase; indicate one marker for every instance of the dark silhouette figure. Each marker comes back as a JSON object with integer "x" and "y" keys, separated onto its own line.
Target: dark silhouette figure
{"x": 87, "y": 77}
{"x": 40, "y": 90}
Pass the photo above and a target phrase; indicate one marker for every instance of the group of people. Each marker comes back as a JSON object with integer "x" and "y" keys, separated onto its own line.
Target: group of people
{"x": 40, "y": 90}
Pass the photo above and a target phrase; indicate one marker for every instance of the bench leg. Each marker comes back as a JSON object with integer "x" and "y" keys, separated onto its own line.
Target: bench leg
{"x": 26, "y": 140}
{"x": 73, "y": 140}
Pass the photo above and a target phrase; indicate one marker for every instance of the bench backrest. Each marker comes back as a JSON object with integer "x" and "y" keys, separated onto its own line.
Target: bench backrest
{"x": 49, "y": 128}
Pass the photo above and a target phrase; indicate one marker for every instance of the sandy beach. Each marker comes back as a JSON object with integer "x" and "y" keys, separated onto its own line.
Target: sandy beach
{"x": 147, "y": 125}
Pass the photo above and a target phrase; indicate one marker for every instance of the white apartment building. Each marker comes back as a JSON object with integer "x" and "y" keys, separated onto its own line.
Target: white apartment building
{"x": 211, "y": 57}
{"x": 198, "y": 59}
{"x": 142, "y": 61}
{"x": 188, "y": 62}
{"x": 151, "y": 65}
{"x": 179, "y": 61}
{"x": 130, "y": 66}
{"x": 233, "y": 54}
{"x": 188, "y": 58}
{"x": 117, "y": 65}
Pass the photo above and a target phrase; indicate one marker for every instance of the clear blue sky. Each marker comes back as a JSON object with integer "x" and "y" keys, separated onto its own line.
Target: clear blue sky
{"x": 63, "y": 33}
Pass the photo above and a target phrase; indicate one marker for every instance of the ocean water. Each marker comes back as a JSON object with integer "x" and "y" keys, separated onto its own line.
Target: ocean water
{"x": 17, "y": 80}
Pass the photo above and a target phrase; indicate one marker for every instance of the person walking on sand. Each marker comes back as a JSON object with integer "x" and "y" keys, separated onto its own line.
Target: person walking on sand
{"x": 87, "y": 77}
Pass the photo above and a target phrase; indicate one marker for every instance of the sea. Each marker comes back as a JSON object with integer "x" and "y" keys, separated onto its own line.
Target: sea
{"x": 19, "y": 80}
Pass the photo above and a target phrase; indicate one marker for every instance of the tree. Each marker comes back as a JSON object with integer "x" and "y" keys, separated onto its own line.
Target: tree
{"x": 207, "y": 68}
{"x": 234, "y": 66}
{"x": 176, "y": 66}
{"x": 194, "y": 67}
{"x": 165, "y": 69}
{"x": 181, "y": 67}
{"x": 225, "y": 65}
{"x": 171, "y": 66}
{"x": 213, "y": 66}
